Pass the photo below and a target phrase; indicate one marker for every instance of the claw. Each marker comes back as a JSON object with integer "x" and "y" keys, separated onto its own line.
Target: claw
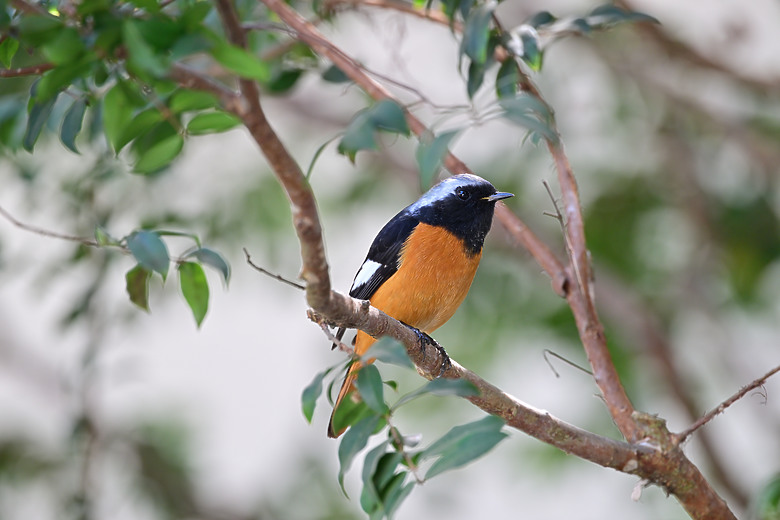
{"x": 425, "y": 340}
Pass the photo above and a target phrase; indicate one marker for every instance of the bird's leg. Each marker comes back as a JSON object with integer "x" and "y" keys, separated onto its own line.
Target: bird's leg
{"x": 425, "y": 340}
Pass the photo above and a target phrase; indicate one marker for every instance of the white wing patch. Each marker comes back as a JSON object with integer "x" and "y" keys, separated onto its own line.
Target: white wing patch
{"x": 367, "y": 270}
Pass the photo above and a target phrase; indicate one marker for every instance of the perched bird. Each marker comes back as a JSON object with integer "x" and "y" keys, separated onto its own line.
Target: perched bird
{"x": 421, "y": 264}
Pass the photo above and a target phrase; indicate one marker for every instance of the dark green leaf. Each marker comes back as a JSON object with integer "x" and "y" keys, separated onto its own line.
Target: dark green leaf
{"x": 8, "y": 48}
{"x": 527, "y": 111}
{"x": 477, "y": 32}
{"x": 353, "y": 442}
{"x": 532, "y": 50}
{"x": 195, "y": 289}
{"x": 65, "y": 47}
{"x": 39, "y": 30}
{"x": 541, "y": 18}
{"x": 36, "y": 120}
{"x": 311, "y": 393}
{"x": 159, "y": 155}
{"x": 212, "y": 122}
{"x": 137, "y": 286}
{"x": 386, "y": 467}
{"x": 430, "y": 155}
{"x": 333, "y": 74}
{"x": 141, "y": 54}
{"x": 283, "y": 79}
{"x": 151, "y": 252}
{"x": 117, "y": 114}
{"x": 395, "y": 492}
{"x": 369, "y": 498}
{"x": 349, "y": 413}
{"x": 186, "y": 100}
{"x": 141, "y": 123}
{"x": 389, "y": 116}
{"x": 369, "y": 384}
{"x": 610, "y": 14}
{"x": 59, "y": 78}
{"x": 506, "y": 79}
{"x": 150, "y": 6}
{"x": 441, "y": 387}
{"x": 213, "y": 259}
{"x": 241, "y": 62}
{"x": 390, "y": 351}
{"x": 71, "y": 123}
{"x": 476, "y": 76}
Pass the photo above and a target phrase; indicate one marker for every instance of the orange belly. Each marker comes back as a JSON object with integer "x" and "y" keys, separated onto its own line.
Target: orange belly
{"x": 433, "y": 278}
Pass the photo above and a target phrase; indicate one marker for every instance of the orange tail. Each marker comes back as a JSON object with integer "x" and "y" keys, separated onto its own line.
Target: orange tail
{"x": 346, "y": 387}
{"x": 362, "y": 343}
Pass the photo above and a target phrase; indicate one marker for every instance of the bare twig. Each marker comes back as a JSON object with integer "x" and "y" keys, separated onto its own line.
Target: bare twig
{"x": 32, "y": 70}
{"x": 269, "y": 273}
{"x": 547, "y": 352}
{"x": 45, "y": 232}
{"x": 704, "y": 419}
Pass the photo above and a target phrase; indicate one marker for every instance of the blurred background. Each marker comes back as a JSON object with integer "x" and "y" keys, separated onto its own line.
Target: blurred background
{"x": 672, "y": 131}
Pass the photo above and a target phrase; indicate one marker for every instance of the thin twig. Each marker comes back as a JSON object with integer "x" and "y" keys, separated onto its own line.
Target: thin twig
{"x": 704, "y": 419}
{"x": 32, "y": 70}
{"x": 272, "y": 275}
{"x": 547, "y": 352}
{"x": 45, "y": 232}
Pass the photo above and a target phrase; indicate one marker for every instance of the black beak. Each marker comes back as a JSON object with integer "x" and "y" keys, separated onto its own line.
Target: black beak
{"x": 498, "y": 196}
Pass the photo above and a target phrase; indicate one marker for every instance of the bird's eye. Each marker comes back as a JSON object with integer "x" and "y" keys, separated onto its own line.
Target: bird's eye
{"x": 462, "y": 194}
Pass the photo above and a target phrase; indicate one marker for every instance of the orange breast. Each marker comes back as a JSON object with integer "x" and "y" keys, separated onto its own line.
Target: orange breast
{"x": 433, "y": 278}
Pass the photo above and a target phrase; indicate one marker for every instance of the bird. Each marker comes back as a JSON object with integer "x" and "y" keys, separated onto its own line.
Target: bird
{"x": 420, "y": 266}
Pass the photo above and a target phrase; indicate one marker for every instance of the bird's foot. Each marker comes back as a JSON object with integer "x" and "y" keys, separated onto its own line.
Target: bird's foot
{"x": 425, "y": 340}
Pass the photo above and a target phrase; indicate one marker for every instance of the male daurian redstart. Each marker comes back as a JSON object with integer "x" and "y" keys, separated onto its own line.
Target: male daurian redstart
{"x": 421, "y": 264}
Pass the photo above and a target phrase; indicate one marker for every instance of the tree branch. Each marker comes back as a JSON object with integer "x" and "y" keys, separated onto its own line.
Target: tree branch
{"x": 45, "y": 232}
{"x": 32, "y": 70}
{"x": 680, "y": 437}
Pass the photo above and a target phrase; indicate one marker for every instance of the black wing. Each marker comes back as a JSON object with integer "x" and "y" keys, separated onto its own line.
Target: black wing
{"x": 382, "y": 260}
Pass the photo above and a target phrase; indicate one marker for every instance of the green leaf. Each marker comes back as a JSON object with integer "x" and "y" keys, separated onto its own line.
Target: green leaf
{"x": 103, "y": 238}
{"x": 449, "y": 440}
{"x": 311, "y": 393}
{"x": 39, "y": 30}
{"x": 187, "y": 100}
{"x": 159, "y": 155}
{"x": 358, "y": 136}
{"x": 527, "y": 111}
{"x": 767, "y": 505}
{"x": 151, "y": 252}
{"x": 333, "y": 74}
{"x": 36, "y": 120}
{"x": 395, "y": 492}
{"x": 141, "y": 123}
{"x": 195, "y": 289}
{"x": 389, "y": 116}
{"x": 475, "y": 78}
{"x": 212, "y": 122}
{"x": 506, "y": 79}
{"x": 65, "y": 47}
{"x": 141, "y": 54}
{"x": 441, "y": 387}
{"x": 349, "y": 413}
{"x": 369, "y": 498}
{"x": 241, "y": 62}
{"x": 532, "y": 49}
{"x": 430, "y": 153}
{"x": 391, "y": 351}
{"x": 8, "y": 48}
{"x": 465, "y": 452}
{"x": 541, "y": 18}
{"x": 137, "y": 286}
{"x": 369, "y": 384}
{"x": 213, "y": 259}
{"x": 150, "y": 6}
{"x": 283, "y": 79}
{"x": 71, "y": 123}
{"x": 476, "y": 33}
{"x": 117, "y": 114}
{"x": 353, "y": 442}
{"x": 609, "y": 14}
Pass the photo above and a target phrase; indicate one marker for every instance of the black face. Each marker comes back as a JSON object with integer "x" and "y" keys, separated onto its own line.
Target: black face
{"x": 463, "y": 205}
